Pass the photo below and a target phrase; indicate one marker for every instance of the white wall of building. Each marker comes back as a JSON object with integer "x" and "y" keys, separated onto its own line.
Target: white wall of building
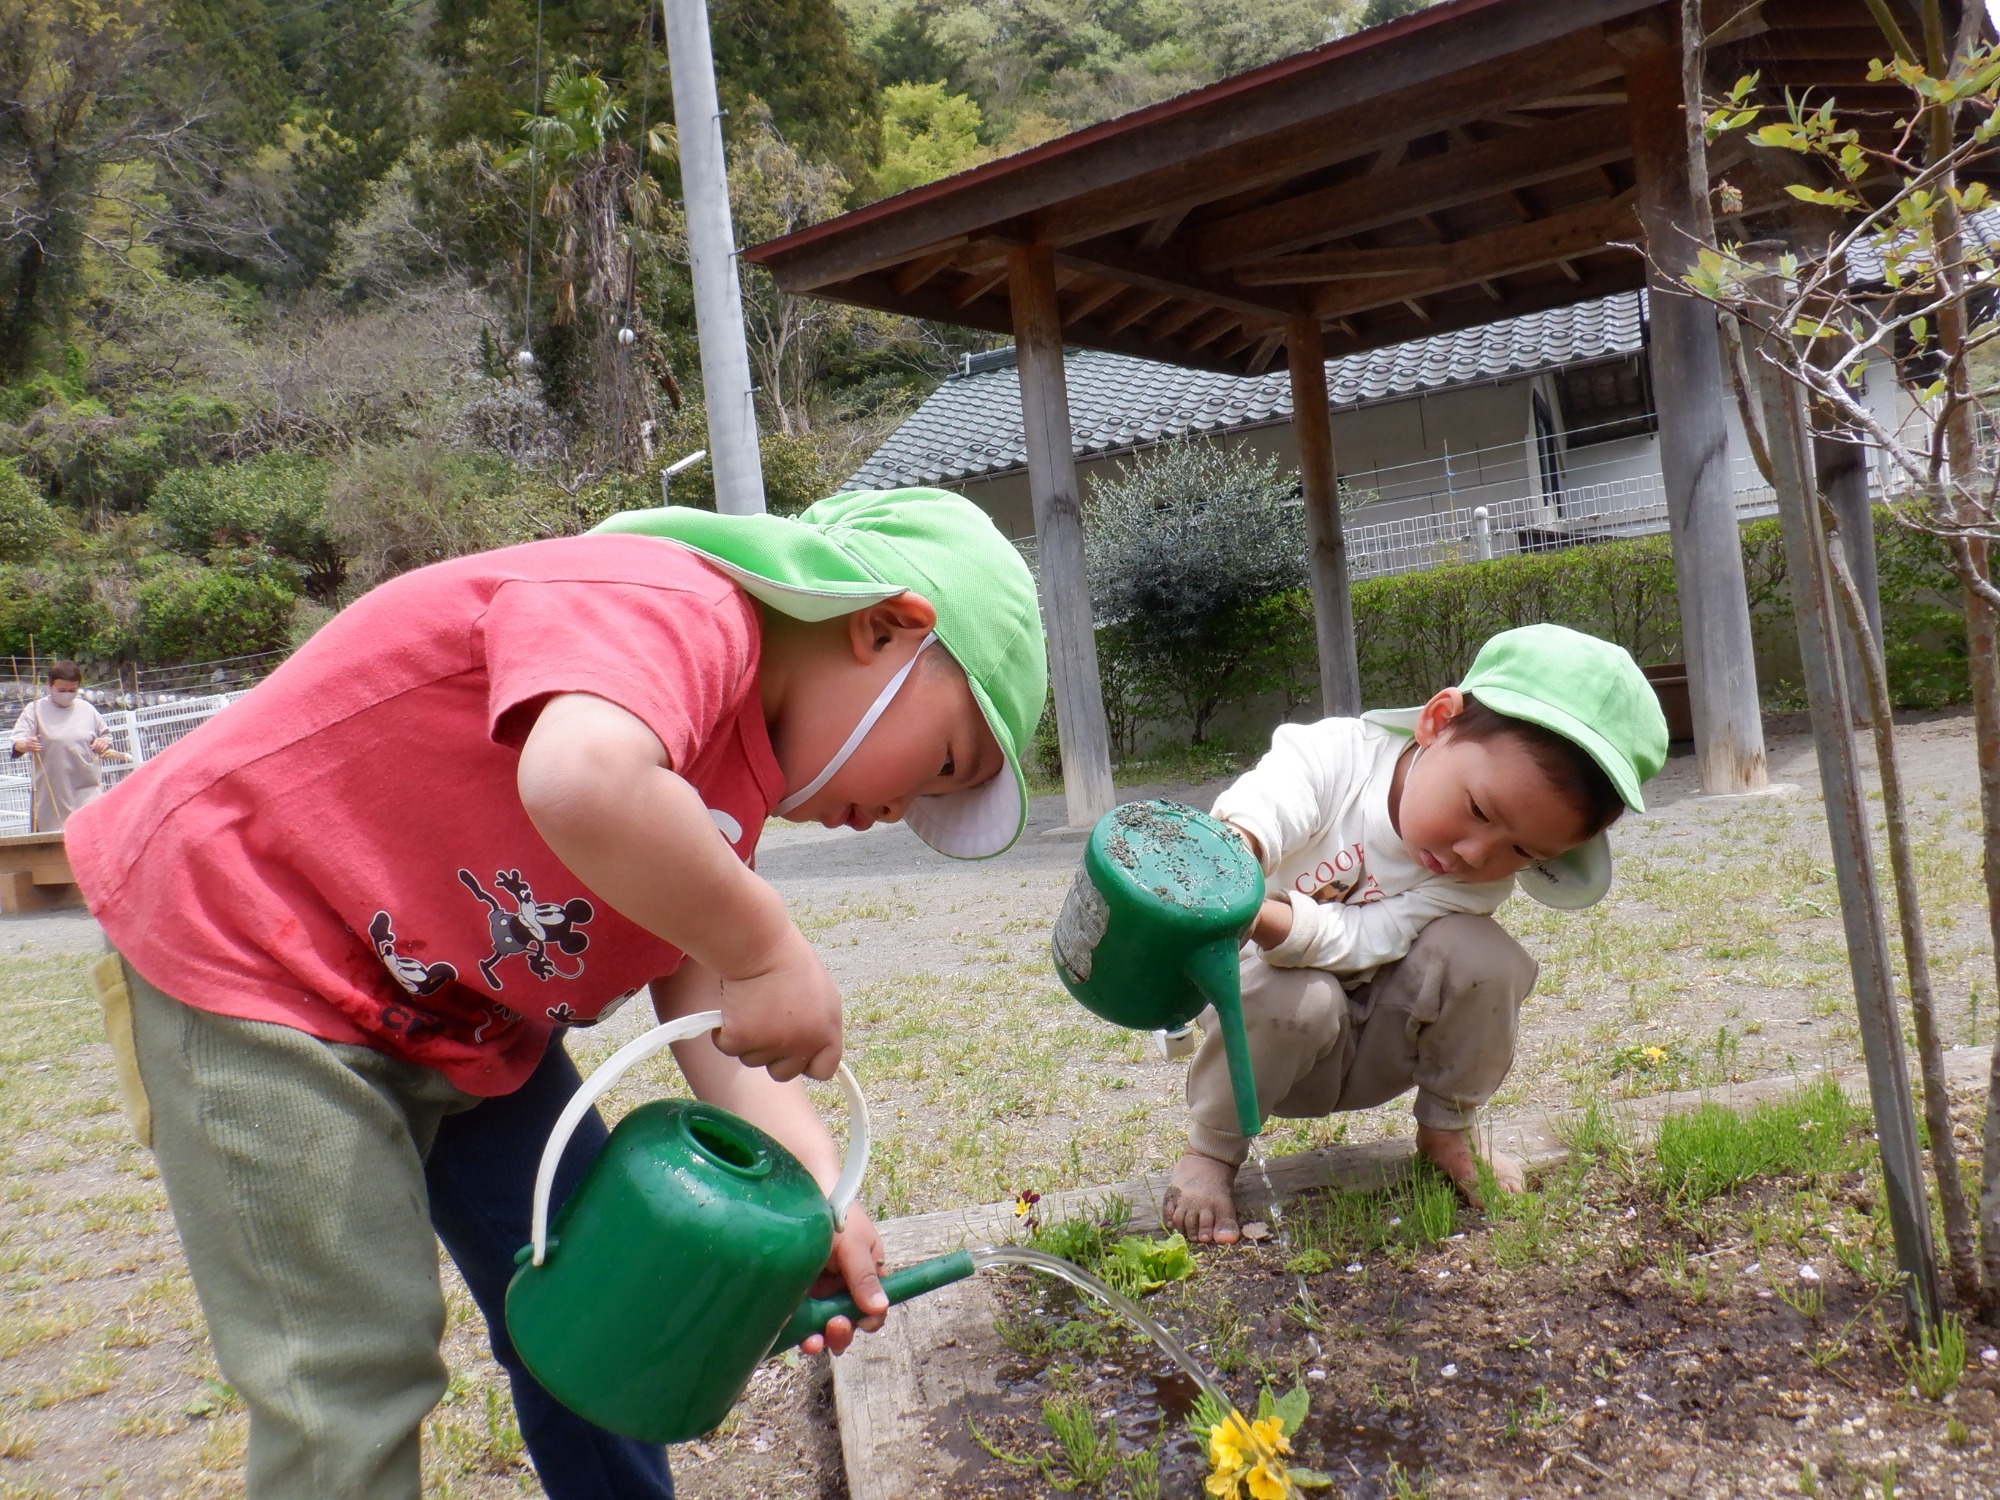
{"x": 1419, "y": 460}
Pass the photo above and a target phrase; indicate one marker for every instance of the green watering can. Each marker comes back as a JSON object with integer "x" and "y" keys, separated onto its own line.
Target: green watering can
{"x": 682, "y": 1258}
{"x": 1149, "y": 934}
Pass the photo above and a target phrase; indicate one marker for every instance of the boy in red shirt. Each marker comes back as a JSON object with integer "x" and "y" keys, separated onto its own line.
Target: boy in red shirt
{"x": 481, "y": 805}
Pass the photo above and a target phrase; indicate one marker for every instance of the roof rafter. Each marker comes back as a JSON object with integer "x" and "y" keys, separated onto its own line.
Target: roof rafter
{"x": 1515, "y": 160}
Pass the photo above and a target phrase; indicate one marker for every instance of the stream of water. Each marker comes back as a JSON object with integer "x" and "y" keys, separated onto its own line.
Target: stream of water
{"x": 1118, "y": 1302}
{"x": 986, "y": 1256}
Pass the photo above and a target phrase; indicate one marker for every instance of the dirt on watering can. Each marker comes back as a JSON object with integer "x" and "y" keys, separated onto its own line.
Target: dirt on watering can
{"x": 1194, "y": 870}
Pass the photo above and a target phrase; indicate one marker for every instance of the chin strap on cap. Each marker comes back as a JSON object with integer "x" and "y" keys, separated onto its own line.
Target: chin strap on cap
{"x": 875, "y": 711}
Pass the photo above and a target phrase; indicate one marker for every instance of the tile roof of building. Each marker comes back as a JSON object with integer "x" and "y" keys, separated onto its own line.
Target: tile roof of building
{"x": 971, "y": 425}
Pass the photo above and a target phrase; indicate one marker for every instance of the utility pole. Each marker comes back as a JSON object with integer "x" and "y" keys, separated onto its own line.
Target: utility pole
{"x": 718, "y": 298}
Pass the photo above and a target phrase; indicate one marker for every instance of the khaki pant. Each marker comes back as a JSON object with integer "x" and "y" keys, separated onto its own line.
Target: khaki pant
{"x": 1441, "y": 1020}
{"x": 295, "y": 1170}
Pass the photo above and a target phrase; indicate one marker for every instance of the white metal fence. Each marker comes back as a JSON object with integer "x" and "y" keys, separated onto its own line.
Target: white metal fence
{"x": 1627, "y": 505}
{"x": 138, "y": 734}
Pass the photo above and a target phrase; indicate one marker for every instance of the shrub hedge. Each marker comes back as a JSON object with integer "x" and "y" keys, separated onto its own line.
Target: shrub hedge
{"x": 1417, "y": 632}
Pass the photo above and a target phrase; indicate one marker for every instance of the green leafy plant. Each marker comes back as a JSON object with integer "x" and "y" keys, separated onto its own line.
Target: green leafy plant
{"x": 1935, "y": 1363}
{"x": 1138, "y": 1265}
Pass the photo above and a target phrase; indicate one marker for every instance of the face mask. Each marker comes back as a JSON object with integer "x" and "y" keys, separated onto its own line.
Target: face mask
{"x": 875, "y": 711}
{"x": 62, "y": 697}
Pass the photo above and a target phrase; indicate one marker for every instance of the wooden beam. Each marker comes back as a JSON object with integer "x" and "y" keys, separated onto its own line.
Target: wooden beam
{"x": 913, "y": 275}
{"x": 1090, "y": 301}
{"x": 1345, "y": 265}
{"x": 1142, "y": 306}
{"x": 1264, "y": 127}
{"x": 1245, "y": 338}
{"x": 972, "y": 288}
{"x": 1266, "y": 348}
{"x": 1389, "y": 157}
{"x": 1569, "y": 270}
{"x": 1595, "y": 99}
{"x": 1212, "y": 329}
{"x": 1834, "y": 43}
{"x": 1516, "y": 160}
{"x": 1504, "y": 252}
{"x": 1685, "y": 350}
{"x": 1160, "y": 230}
{"x": 1326, "y": 548}
{"x": 1160, "y": 273}
{"x": 1064, "y": 581}
{"x": 1419, "y": 311}
{"x": 1175, "y": 319}
{"x": 992, "y": 314}
{"x": 1576, "y": 62}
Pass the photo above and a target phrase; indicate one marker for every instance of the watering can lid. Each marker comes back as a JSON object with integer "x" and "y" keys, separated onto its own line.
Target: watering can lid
{"x": 844, "y": 553}
{"x": 1574, "y": 879}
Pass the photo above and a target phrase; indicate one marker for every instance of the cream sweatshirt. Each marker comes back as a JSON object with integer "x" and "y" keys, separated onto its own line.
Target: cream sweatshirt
{"x": 1318, "y": 806}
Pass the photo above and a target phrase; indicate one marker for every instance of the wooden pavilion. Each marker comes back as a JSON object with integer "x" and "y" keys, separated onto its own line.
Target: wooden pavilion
{"x": 1476, "y": 160}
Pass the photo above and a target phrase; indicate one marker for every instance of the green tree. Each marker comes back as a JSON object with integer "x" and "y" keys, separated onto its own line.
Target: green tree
{"x": 774, "y": 189}
{"x": 276, "y": 502}
{"x": 598, "y": 206}
{"x": 198, "y": 613}
{"x": 1187, "y": 545}
{"x": 358, "y": 90}
{"x": 927, "y": 133}
{"x": 29, "y": 525}
{"x": 795, "y": 55}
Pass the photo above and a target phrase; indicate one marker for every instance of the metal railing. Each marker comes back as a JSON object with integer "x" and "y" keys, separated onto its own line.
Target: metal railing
{"x": 138, "y": 734}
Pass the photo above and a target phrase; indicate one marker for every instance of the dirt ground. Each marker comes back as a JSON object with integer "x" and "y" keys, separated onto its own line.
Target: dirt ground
{"x": 1718, "y": 956}
{"x": 1632, "y": 1349}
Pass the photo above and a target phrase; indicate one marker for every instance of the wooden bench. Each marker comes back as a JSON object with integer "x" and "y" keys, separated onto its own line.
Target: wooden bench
{"x": 35, "y": 873}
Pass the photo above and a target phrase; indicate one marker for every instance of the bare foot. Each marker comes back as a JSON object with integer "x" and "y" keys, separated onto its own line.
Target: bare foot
{"x": 1200, "y": 1201}
{"x": 1452, "y": 1151}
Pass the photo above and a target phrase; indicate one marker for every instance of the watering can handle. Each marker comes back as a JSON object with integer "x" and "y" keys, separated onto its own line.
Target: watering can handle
{"x": 643, "y": 1046}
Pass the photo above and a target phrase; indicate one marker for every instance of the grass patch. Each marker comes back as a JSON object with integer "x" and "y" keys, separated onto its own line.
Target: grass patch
{"x": 1418, "y": 1210}
{"x": 1711, "y": 1151}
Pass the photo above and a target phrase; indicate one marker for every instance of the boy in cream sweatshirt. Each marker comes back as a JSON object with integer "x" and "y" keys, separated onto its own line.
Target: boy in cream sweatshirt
{"x": 1387, "y": 842}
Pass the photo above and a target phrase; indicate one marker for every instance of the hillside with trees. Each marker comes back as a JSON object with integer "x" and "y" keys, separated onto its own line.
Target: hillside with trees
{"x": 265, "y": 267}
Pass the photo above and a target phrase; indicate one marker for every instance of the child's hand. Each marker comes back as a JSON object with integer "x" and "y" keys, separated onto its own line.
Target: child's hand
{"x": 783, "y": 1015}
{"x": 856, "y": 1265}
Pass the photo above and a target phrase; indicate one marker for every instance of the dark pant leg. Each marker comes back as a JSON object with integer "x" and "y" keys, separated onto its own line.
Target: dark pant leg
{"x": 481, "y": 1174}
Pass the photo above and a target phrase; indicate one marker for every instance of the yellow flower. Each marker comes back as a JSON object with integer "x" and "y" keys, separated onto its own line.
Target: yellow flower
{"x": 1241, "y": 1451}
{"x": 1228, "y": 1442}
{"x": 1269, "y": 1435}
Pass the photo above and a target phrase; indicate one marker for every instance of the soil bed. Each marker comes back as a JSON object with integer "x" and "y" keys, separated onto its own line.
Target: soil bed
{"x": 1595, "y": 1341}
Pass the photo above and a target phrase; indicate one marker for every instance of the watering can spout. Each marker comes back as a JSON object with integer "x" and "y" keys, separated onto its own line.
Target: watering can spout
{"x": 1149, "y": 933}
{"x": 1213, "y": 970}
{"x": 912, "y": 1281}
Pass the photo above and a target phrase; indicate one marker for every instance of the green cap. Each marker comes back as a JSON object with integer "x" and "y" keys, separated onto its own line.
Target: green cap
{"x": 1592, "y": 694}
{"x": 853, "y": 550}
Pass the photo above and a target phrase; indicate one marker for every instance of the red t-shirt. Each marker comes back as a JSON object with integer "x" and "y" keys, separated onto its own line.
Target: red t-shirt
{"x": 344, "y": 849}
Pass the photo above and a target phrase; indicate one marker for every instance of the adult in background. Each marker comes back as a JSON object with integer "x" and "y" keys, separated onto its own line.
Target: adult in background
{"x": 65, "y": 733}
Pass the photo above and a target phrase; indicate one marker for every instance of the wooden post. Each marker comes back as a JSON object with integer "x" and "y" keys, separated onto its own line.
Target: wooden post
{"x": 1686, "y": 356}
{"x": 1065, "y": 583}
{"x": 1847, "y": 813}
{"x": 1333, "y": 609}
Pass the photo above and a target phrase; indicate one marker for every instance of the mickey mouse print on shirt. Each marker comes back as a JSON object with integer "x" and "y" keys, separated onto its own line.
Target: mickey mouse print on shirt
{"x": 533, "y": 928}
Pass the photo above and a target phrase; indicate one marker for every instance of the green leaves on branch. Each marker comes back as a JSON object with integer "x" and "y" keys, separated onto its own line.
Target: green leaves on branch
{"x": 1735, "y": 111}
{"x": 1830, "y": 197}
